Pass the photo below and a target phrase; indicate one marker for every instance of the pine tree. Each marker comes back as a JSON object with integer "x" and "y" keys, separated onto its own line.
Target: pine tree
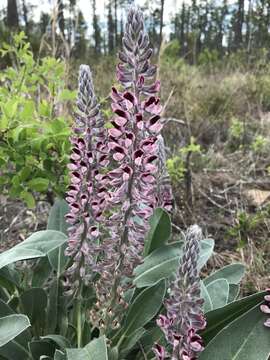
{"x": 161, "y": 24}
{"x": 60, "y": 17}
{"x": 238, "y": 25}
{"x": 12, "y": 15}
{"x": 79, "y": 50}
{"x": 71, "y": 20}
{"x": 110, "y": 29}
{"x": 96, "y": 29}
{"x": 44, "y": 22}
{"x": 115, "y": 23}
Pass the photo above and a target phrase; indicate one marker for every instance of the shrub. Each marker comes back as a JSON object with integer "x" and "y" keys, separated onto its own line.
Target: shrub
{"x": 34, "y": 124}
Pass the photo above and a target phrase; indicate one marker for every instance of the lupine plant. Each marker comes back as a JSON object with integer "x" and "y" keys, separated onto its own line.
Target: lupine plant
{"x": 105, "y": 280}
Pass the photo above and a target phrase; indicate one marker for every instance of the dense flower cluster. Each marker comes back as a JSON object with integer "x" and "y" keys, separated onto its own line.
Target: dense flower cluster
{"x": 184, "y": 307}
{"x": 88, "y": 157}
{"x": 132, "y": 185}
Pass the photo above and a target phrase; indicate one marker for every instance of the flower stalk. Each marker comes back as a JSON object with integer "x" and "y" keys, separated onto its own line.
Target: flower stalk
{"x": 87, "y": 160}
{"x": 184, "y": 306}
{"x": 132, "y": 184}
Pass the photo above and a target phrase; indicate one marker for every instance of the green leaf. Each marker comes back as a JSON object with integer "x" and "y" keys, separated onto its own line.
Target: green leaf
{"x": 207, "y": 305}
{"x": 160, "y": 264}
{"x": 37, "y": 245}
{"x": 206, "y": 251}
{"x": 13, "y": 255}
{"x": 62, "y": 316}
{"x": 59, "y": 340}
{"x": 57, "y": 214}
{"x": 232, "y": 273}
{"x": 41, "y": 272}
{"x": 57, "y": 221}
{"x": 131, "y": 341}
{"x": 220, "y": 318}
{"x": 160, "y": 231}
{"x": 9, "y": 278}
{"x": 10, "y": 108}
{"x": 67, "y": 95}
{"x": 163, "y": 262}
{"x": 58, "y": 259}
{"x": 233, "y": 292}
{"x": 11, "y": 326}
{"x": 245, "y": 338}
{"x": 17, "y": 348}
{"x": 28, "y": 110}
{"x": 144, "y": 307}
{"x": 86, "y": 333}
{"x": 4, "y": 295}
{"x": 52, "y": 311}
{"x": 28, "y": 198}
{"x": 95, "y": 350}
{"x": 4, "y": 122}
{"x": 38, "y": 184}
{"x": 218, "y": 291}
{"x": 25, "y": 173}
{"x": 152, "y": 335}
{"x": 34, "y": 303}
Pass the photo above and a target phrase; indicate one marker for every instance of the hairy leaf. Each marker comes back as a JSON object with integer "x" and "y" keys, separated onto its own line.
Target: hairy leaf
{"x": 160, "y": 231}
{"x": 11, "y": 326}
{"x": 245, "y": 338}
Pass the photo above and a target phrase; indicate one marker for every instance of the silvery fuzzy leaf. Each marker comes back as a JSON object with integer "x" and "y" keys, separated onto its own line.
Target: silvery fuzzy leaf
{"x": 123, "y": 57}
{"x": 140, "y": 38}
{"x": 151, "y": 89}
{"x": 128, "y": 45}
{"x": 143, "y": 67}
{"x": 144, "y": 42}
{"x": 93, "y": 112}
{"x": 151, "y": 71}
{"x": 124, "y": 78}
{"x": 146, "y": 55}
{"x": 135, "y": 26}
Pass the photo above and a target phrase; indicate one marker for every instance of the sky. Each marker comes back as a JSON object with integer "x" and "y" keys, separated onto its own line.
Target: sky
{"x": 84, "y": 5}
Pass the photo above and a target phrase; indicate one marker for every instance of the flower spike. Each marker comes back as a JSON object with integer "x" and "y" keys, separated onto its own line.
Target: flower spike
{"x": 85, "y": 206}
{"x": 133, "y": 187}
{"x": 184, "y": 307}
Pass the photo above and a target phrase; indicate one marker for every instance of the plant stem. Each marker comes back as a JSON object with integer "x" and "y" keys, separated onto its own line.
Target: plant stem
{"x": 79, "y": 317}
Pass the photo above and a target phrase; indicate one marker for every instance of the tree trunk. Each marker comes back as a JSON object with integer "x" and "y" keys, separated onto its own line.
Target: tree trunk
{"x": 60, "y": 17}
{"x": 25, "y": 17}
{"x": 239, "y": 24}
{"x": 115, "y": 24}
{"x": 161, "y": 24}
{"x": 12, "y": 15}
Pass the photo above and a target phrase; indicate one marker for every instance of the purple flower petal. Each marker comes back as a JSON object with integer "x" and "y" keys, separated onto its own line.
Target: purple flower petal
{"x": 265, "y": 309}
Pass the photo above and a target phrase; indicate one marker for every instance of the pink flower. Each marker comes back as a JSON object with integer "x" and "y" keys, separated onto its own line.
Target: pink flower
{"x": 133, "y": 182}
{"x": 184, "y": 307}
{"x": 159, "y": 351}
{"x": 83, "y": 196}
